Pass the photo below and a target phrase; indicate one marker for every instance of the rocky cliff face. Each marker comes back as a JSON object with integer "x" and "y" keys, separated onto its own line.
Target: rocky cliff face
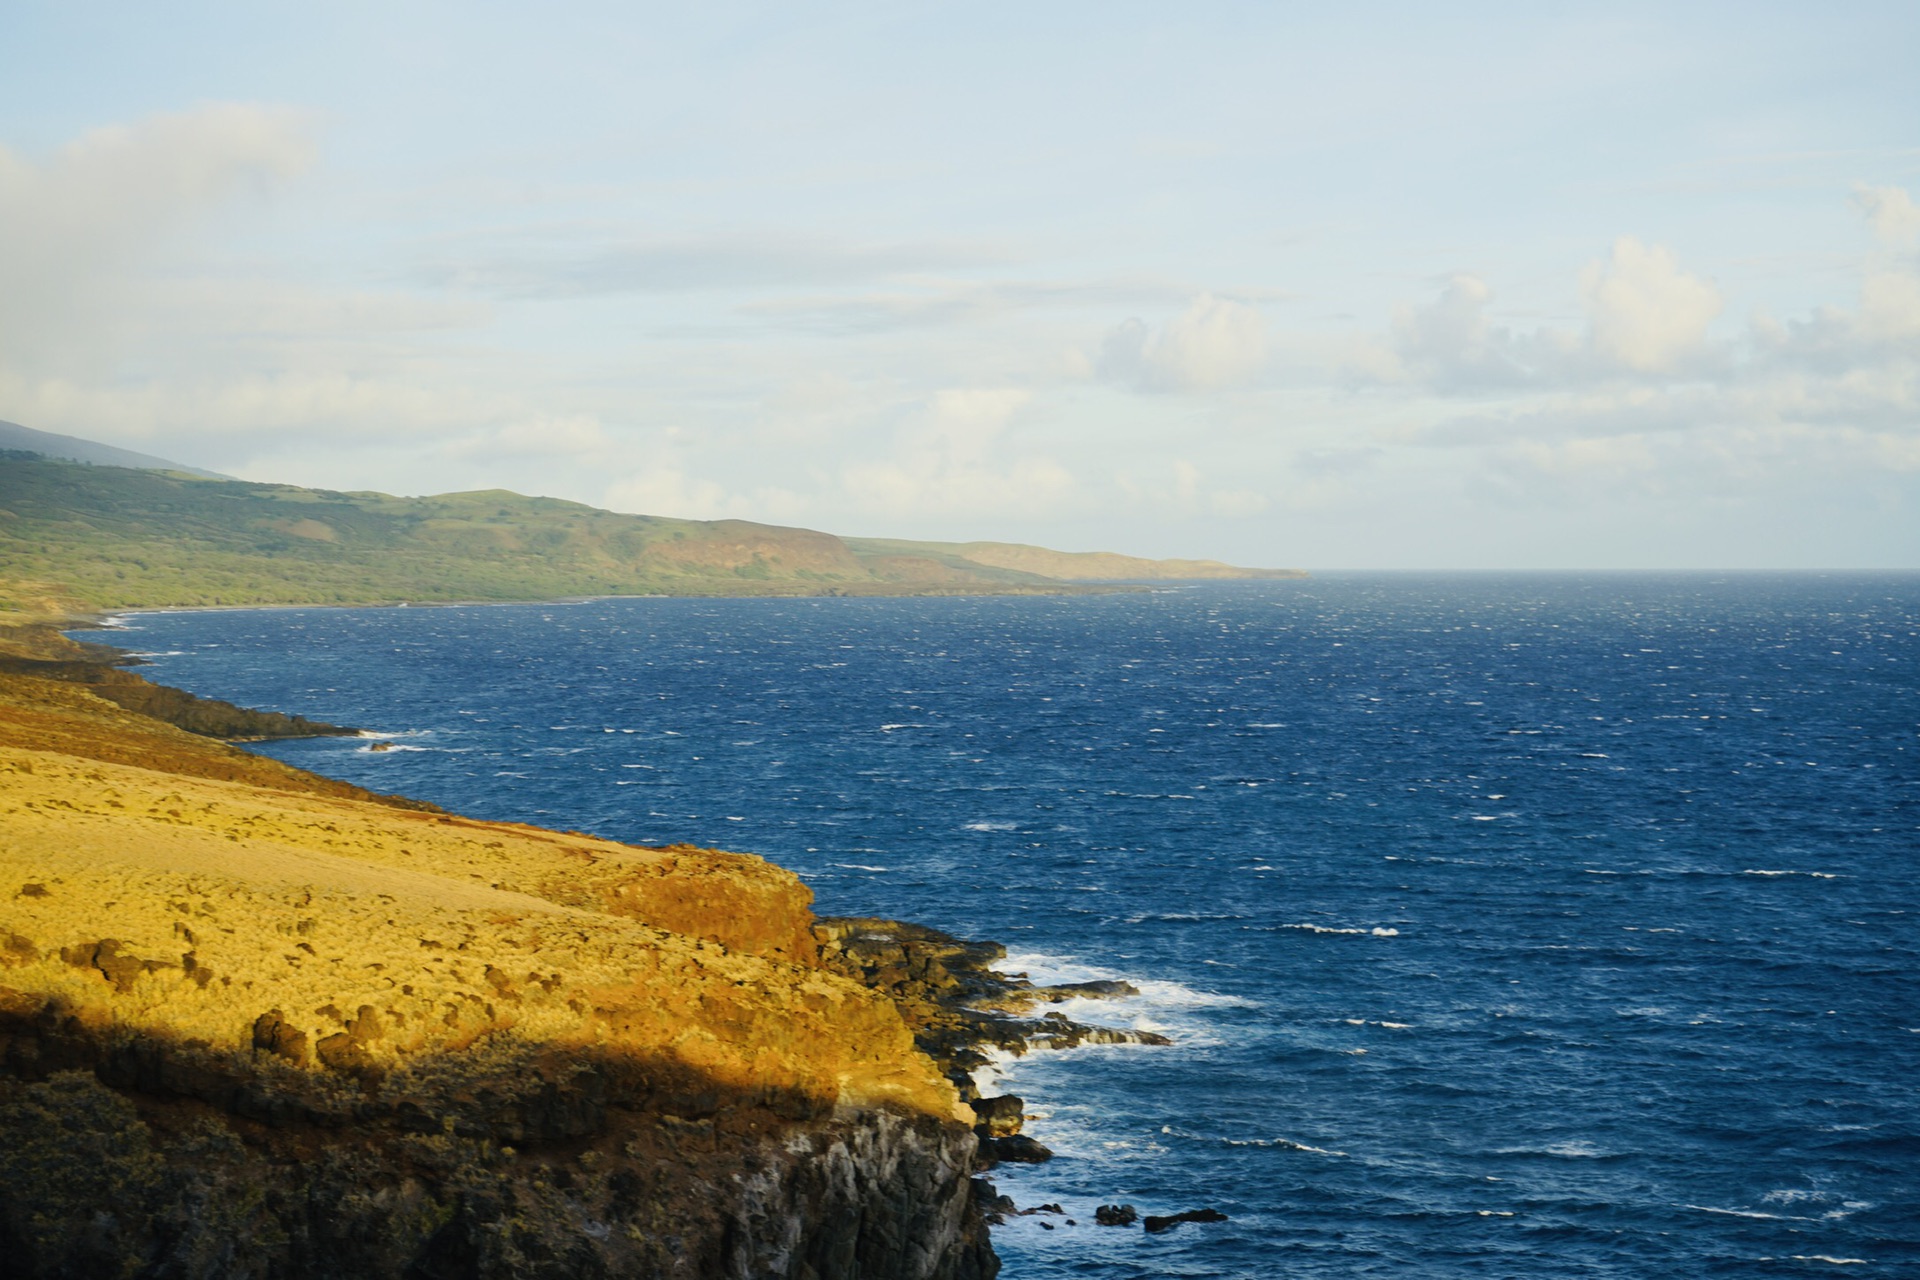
{"x": 255, "y": 1024}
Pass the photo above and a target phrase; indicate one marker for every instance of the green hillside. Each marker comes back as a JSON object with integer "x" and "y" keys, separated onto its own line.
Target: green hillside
{"x": 122, "y": 538}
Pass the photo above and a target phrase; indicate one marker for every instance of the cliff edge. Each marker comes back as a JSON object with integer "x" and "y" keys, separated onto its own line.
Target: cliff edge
{"x": 255, "y": 1022}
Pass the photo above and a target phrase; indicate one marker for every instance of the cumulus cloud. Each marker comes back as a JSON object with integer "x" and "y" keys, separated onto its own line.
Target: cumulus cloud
{"x": 1882, "y": 331}
{"x": 1215, "y": 342}
{"x": 1643, "y": 312}
{"x": 1647, "y": 318}
{"x": 1891, "y": 211}
{"x": 1645, "y": 407}
{"x": 1450, "y": 341}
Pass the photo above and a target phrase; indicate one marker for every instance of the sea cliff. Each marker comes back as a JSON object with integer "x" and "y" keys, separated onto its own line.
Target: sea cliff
{"x": 259, "y": 1023}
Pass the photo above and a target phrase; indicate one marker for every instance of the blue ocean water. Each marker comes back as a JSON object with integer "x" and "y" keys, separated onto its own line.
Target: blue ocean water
{"x": 1507, "y": 926}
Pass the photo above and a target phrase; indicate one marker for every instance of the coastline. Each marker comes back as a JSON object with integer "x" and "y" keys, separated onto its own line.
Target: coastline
{"x": 65, "y": 1041}
{"x": 349, "y": 1035}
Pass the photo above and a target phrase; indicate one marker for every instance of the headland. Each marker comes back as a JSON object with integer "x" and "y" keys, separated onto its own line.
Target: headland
{"x": 257, "y": 1021}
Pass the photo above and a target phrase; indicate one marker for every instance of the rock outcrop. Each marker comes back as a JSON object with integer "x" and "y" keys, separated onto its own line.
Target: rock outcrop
{"x": 957, "y": 1004}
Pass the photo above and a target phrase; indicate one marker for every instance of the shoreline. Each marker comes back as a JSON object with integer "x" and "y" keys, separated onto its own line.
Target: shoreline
{"x": 957, "y": 1009}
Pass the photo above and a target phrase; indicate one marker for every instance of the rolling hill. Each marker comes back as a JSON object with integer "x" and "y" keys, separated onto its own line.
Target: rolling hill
{"x": 127, "y": 537}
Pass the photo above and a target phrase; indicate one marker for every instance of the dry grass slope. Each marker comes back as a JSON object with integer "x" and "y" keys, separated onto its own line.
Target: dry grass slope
{"x": 371, "y": 1040}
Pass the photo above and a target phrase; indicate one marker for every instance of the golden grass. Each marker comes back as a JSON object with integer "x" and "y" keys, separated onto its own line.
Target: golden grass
{"x": 395, "y": 945}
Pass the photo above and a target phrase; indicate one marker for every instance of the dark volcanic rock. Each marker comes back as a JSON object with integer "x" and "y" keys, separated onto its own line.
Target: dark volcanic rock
{"x": 1156, "y": 1225}
{"x": 1116, "y": 1215}
{"x": 1000, "y": 1116}
{"x": 1019, "y": 1149}
{"x": 954, "y": 1000}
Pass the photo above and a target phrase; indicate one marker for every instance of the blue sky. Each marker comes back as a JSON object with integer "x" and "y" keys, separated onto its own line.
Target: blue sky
{"x": 1391, "y": 286}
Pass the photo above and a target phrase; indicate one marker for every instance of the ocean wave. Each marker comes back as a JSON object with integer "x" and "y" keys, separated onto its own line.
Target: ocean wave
{"x": 1378, "y": 931}
{"x": 989, "y": 826}
{"x": 1754, "y": 1213}
{"x": 1817, "y": 875}
{"x": 1572, "y": 1149}
{"x": 857, "y": 866}
{"x": 1828, "y": 1258}
{"x": 1277, "y": 1144}
{"x": 1045, "y": 970}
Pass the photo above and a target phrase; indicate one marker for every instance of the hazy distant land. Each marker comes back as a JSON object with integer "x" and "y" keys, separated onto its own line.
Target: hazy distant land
{"x": 123, "y": 537}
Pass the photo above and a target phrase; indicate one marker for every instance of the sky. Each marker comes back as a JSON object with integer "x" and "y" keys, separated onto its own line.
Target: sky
{"x": 1388, "y": 286}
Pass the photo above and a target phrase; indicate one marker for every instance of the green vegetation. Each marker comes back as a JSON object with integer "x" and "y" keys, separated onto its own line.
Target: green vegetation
{"x": 124, "y": 538}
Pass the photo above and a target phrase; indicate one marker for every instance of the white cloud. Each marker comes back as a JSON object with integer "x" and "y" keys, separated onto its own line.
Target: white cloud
{"x": 1643, "y": 312}
{"x": 952, "y": 459}
{"x": 1214, "y": 343}
{"x": 1449, "y": 341}
{"x": 1646, "y": 318}
{"x": 1892, "y": 212}
{"x": 76, "y": 226}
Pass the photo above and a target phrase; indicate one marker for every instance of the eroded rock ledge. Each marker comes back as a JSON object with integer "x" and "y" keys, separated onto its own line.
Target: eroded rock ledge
{"x": 958, "y": 1006}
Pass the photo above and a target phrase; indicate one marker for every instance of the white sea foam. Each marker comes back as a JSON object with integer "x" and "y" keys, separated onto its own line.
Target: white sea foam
{"x": 1827, "y": 1258}
{"x": 1817, "y": 875}
{"x": 1574, "y": 1149}
{"x": 856, "y": 866}
{"x": 989, "y": 826}
{"x": 1277, "y": 1144}
{"x": 1157, "y": 995}
{"x": 1749, "y": 1213}
{"x": 1309, "y": 927}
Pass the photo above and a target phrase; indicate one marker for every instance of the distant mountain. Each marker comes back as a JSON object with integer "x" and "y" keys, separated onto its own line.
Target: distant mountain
{"x": 74, "y": 449}
{"x": 120, "y": 537}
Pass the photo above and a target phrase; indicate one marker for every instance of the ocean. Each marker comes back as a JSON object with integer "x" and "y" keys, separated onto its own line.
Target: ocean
{"x": 1527, "y": 926}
